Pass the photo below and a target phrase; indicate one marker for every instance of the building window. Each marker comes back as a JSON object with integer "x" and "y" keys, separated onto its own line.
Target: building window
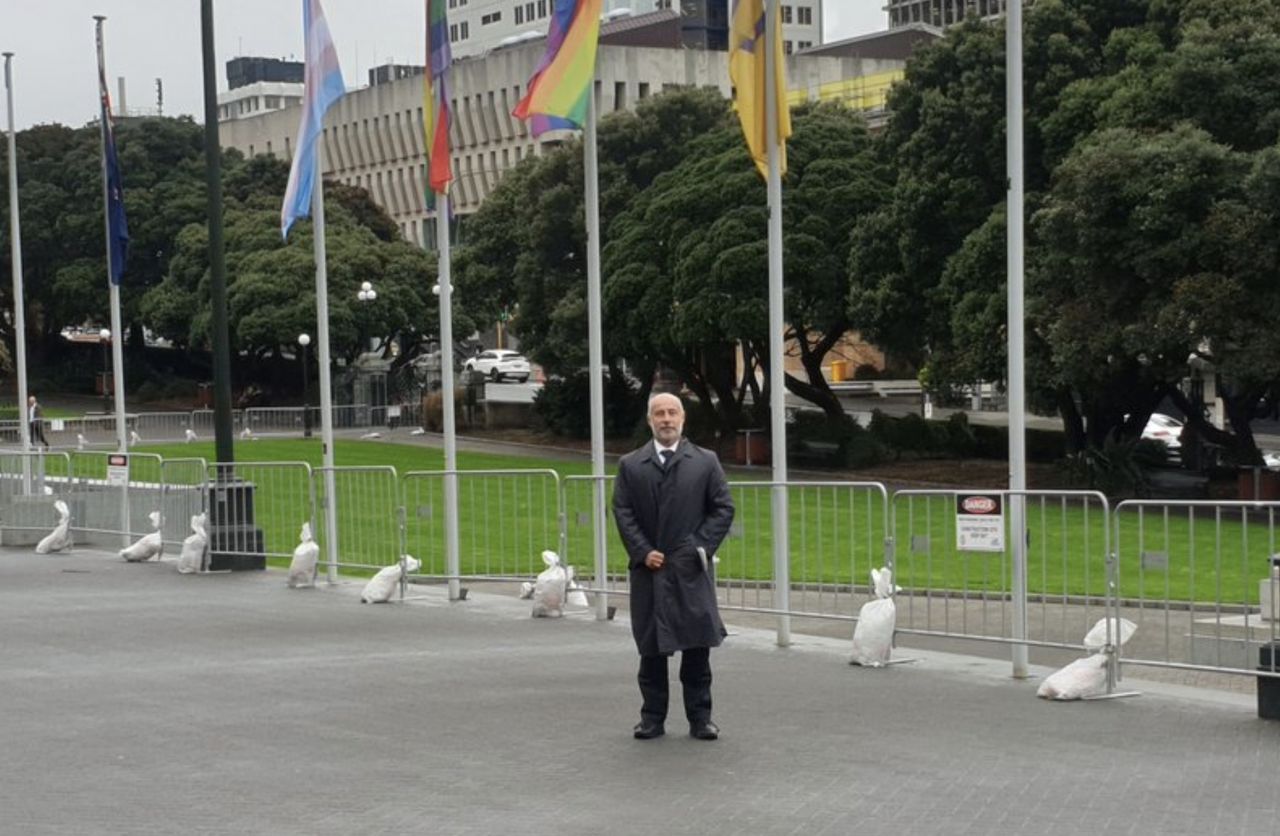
{"x": 804, "y": 15}
{"x": 494, "y": 17}
{"x": 786, "y": 47}
{"x": 786, "y": 14}
{"x": 453, "y": 32}
{"x": 804, "y": 44}
{"x": 528, "y": 10}
{"x": 465, "y": 31}
{"x": 519, "y": 15}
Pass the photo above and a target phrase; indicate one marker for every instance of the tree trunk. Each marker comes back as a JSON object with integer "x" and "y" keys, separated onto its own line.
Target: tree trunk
{"x": 816, "y": 390}
{"x": 1072, "y": 420}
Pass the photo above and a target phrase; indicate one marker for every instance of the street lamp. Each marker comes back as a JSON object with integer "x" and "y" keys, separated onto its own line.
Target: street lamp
{"x": 104, "y": 336}
{"x": 304, "y": 340}
{"x": 365, "y": 294}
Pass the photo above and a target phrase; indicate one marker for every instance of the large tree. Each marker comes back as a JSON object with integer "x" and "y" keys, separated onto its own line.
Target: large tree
{"x": 270, "y": 282}
{"x": 1131, "y": 207}
{"x": 524, "y": 251}
{"x": 687, "y": 264}
{"x": 60, "y": 187}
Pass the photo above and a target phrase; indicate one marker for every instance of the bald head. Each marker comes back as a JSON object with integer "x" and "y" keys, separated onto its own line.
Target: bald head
{"x": 666, "y": 418}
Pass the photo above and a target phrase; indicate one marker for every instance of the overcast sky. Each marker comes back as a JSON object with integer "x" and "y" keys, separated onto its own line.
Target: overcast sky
{"x": 54, "y": 66}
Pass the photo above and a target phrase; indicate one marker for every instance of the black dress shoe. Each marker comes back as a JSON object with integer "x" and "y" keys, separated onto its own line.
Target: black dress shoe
{"x": 704, "y": 731}
{"x": 648, "y": 730}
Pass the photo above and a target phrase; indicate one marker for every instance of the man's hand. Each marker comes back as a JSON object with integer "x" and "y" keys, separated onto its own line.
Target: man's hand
{"x": 654, "y": 560}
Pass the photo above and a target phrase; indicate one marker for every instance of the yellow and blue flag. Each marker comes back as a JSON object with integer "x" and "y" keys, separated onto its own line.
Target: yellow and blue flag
{"x": 747, "y": 71}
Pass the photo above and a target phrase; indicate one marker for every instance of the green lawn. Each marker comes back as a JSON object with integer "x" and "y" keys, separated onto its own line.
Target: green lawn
{"x": 836, "y": 534}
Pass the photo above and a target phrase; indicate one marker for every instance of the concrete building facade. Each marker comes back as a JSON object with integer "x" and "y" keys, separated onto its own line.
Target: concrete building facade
{"x": 373, "y": 136}
{"x": 476, "y": 26}
{"x": 941, "y": 12}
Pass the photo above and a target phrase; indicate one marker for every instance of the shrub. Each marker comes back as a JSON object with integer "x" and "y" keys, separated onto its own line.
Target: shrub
{"x": 813, "y": 437}
{"x": 564, "y": 406}
{"x": 1119, "y": 469}
{"x": 1042, "y": 445}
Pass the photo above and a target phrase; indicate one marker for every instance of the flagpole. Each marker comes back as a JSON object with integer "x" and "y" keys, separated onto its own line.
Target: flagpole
{"x": 595, "y": 350}
{"x": 117, "y": 337}
{"x": 15, "y": 247}
{"x": 1016, "y": 345}
{"x": 322, "y": 356}
{"x": 777, "y": 325}
{"x": 453, "y": 566}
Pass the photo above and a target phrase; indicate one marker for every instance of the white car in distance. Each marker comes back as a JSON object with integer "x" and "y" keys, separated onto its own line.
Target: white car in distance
{"x": 499, "y": 364}
{"x": 1164, "y": 428}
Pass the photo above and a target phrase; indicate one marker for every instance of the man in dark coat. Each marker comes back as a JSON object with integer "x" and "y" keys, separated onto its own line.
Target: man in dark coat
{"x": 673, "y": 508}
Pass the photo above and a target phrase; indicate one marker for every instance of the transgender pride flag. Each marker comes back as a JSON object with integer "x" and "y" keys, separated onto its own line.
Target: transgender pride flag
{"x": 324, "y": 86}
{"x": 558, "y": 90}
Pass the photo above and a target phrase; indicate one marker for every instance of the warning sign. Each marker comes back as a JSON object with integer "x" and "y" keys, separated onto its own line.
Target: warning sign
{"x": 979, "y": 522}
{"x": 118, "y": 469}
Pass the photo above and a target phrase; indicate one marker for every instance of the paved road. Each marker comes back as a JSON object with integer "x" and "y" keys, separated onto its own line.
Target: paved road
{"x": 136, "y": 700}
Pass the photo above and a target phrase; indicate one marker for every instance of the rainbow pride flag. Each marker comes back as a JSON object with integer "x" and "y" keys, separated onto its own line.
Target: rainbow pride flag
{"x": 557, "y": 95}
{"x": 435, "y": 95}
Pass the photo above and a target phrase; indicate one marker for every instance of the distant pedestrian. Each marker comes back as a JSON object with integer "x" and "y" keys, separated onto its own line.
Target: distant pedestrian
{"x": 673, "y": 508}
{"x": 35, "y": 421}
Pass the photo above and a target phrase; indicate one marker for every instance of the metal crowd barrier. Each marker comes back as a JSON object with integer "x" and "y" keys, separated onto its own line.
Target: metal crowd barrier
{"x": 278, "y": 496}
{"x": 1199, "y": 580}
{"x": 836, "y": 532}
{"x": 161, "y": 426}
{"x": 369, "y": 515}
{"x": 202, "y": 421}
{"x": 506, "y": 519}
{"x": 279, "y": 420}
{"x": 958, "y": 584}
{"x": 184, "y": 494}
{"x": 30, "y": 484}
{"x": 110, "y": 506}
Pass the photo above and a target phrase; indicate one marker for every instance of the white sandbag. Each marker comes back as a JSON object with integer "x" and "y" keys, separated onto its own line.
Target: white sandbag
{"x": 549, "y": 588}
{"x": 302, "y": 569}
{"x": 191, "y": 558}
{"x": 60, "y": 537}
{"x": 873, "y": 635}
{"x": 1083, "y": 678}
{"x": 382, "y": 585}
{"x": 575, "y": 596}
{"x": 149, "y": 545}
{"x": 1096, "y": 638}
{"x": 526, "y": 590}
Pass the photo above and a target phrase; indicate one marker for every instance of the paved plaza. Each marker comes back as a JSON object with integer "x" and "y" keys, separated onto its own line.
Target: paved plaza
{"x": 137, "y": 701}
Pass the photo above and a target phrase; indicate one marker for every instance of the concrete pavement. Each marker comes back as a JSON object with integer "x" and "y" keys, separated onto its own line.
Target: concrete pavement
{"x": 137, "y": 700}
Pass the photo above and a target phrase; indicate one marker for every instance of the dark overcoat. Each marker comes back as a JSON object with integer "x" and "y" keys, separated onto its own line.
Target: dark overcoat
{"x": 673, "y": 510}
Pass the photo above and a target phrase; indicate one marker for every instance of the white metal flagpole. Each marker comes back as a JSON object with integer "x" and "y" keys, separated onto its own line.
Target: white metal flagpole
{"x": 1017, "y": 383}
{"x": 326, "y": 384}
{"x": 453, "y": 565}
{"x": 777, "y": 325}
{"x": 595, "y": 352}
{"x": 15, "y": 248}
{"x": 117, "y": 337}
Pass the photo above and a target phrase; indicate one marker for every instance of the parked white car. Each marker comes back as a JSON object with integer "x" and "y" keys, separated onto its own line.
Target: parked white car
{"x": 499, "y": 364}
{"x": 1164, "y": 428}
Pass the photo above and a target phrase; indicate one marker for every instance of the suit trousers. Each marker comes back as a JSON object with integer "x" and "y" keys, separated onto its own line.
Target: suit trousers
{"x": 695, "y": 681}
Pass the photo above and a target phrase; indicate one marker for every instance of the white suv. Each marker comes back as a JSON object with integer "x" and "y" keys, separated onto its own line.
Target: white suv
{"x": 499, "y": 364}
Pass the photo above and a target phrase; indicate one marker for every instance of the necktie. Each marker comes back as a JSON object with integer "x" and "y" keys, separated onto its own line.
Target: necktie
{"x": 663, "y": 456}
